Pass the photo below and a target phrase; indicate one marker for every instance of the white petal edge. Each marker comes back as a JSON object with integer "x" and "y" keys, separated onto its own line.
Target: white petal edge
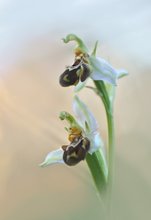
{"x": 121, "y": 73}
{"x": 83, "y": 115}
{"x": 97, "y": 145}
{"x": 53, "y": 157}
{"x": 96, "y": 142}
{"x": 102, "y": 70}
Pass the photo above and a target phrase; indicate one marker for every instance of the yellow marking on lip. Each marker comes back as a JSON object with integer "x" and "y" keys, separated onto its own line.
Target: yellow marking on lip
{"x": 72, "y": 155}
{"x": 65, "y": 78}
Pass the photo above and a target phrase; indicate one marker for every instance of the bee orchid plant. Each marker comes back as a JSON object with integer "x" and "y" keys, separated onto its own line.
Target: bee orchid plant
{"x": 84, "y": 139}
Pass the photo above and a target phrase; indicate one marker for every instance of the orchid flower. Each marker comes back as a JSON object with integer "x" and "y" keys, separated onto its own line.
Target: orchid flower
{"x": 86, "y": 65}
{"x": 84, "y": 138}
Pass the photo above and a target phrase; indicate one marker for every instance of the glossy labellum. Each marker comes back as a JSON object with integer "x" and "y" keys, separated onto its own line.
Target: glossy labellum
{"x": 76, "y": 151}
{"x": 79, "y": 71}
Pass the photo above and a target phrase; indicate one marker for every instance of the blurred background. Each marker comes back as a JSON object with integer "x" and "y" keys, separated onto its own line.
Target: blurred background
{"x": 32, "y": 56}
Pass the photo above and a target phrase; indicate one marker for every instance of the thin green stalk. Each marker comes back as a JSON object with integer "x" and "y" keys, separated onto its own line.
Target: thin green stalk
{"x": 102, "y": 92}
{"x": 111, "y": 151}
{"x": 111, "y": 143}
{"x": 95, "y": 163}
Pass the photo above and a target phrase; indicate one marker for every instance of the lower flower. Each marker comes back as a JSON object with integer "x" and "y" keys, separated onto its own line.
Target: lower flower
{"x": 83, "y": 136}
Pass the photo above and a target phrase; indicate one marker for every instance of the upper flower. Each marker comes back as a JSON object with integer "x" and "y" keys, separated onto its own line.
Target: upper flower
{"x": 86, "y": 65}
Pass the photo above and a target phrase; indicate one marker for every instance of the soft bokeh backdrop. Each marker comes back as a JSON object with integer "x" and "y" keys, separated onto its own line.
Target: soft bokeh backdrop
{"x": 32, "y": 56}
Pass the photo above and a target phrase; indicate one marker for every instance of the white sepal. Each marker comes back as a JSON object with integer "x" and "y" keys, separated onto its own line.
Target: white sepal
{"x": 89, "y": 124}
{"x": 121, "y": 73}
{"x": 84, "y": 116}
{"x": 53, "y": 157}
{"x": 102, "y": 70}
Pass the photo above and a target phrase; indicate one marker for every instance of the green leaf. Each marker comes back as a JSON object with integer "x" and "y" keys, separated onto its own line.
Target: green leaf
{"x": 95, "y": 49}
{"x": 98, "y": 170}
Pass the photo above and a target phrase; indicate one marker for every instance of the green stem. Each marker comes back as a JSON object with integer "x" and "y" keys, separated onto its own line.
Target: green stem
{"x": 102, "y": 92}
{"x": 111, "y": 146}
{"x": 95, "y": 161}
{"x": 111, "y": 143}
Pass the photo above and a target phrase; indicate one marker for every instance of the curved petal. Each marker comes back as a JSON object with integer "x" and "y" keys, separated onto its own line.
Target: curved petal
{"x": 121, "y": 73}
{"x": 53, "y": 157}
{"x": 70, "y": 119}
{"x": 86, "y": 119}
{"x": 102, "y": 70}
{"x": 80, "y": 43}
{"x": 96, "y": 142}
{"x": 84, "y": 116}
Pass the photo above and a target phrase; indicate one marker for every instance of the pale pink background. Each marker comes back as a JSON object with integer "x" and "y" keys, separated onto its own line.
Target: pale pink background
{"x": 32, "y": 56}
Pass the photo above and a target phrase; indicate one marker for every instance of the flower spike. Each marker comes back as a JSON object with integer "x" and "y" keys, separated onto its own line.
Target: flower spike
{"x": 83, "y": 136}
